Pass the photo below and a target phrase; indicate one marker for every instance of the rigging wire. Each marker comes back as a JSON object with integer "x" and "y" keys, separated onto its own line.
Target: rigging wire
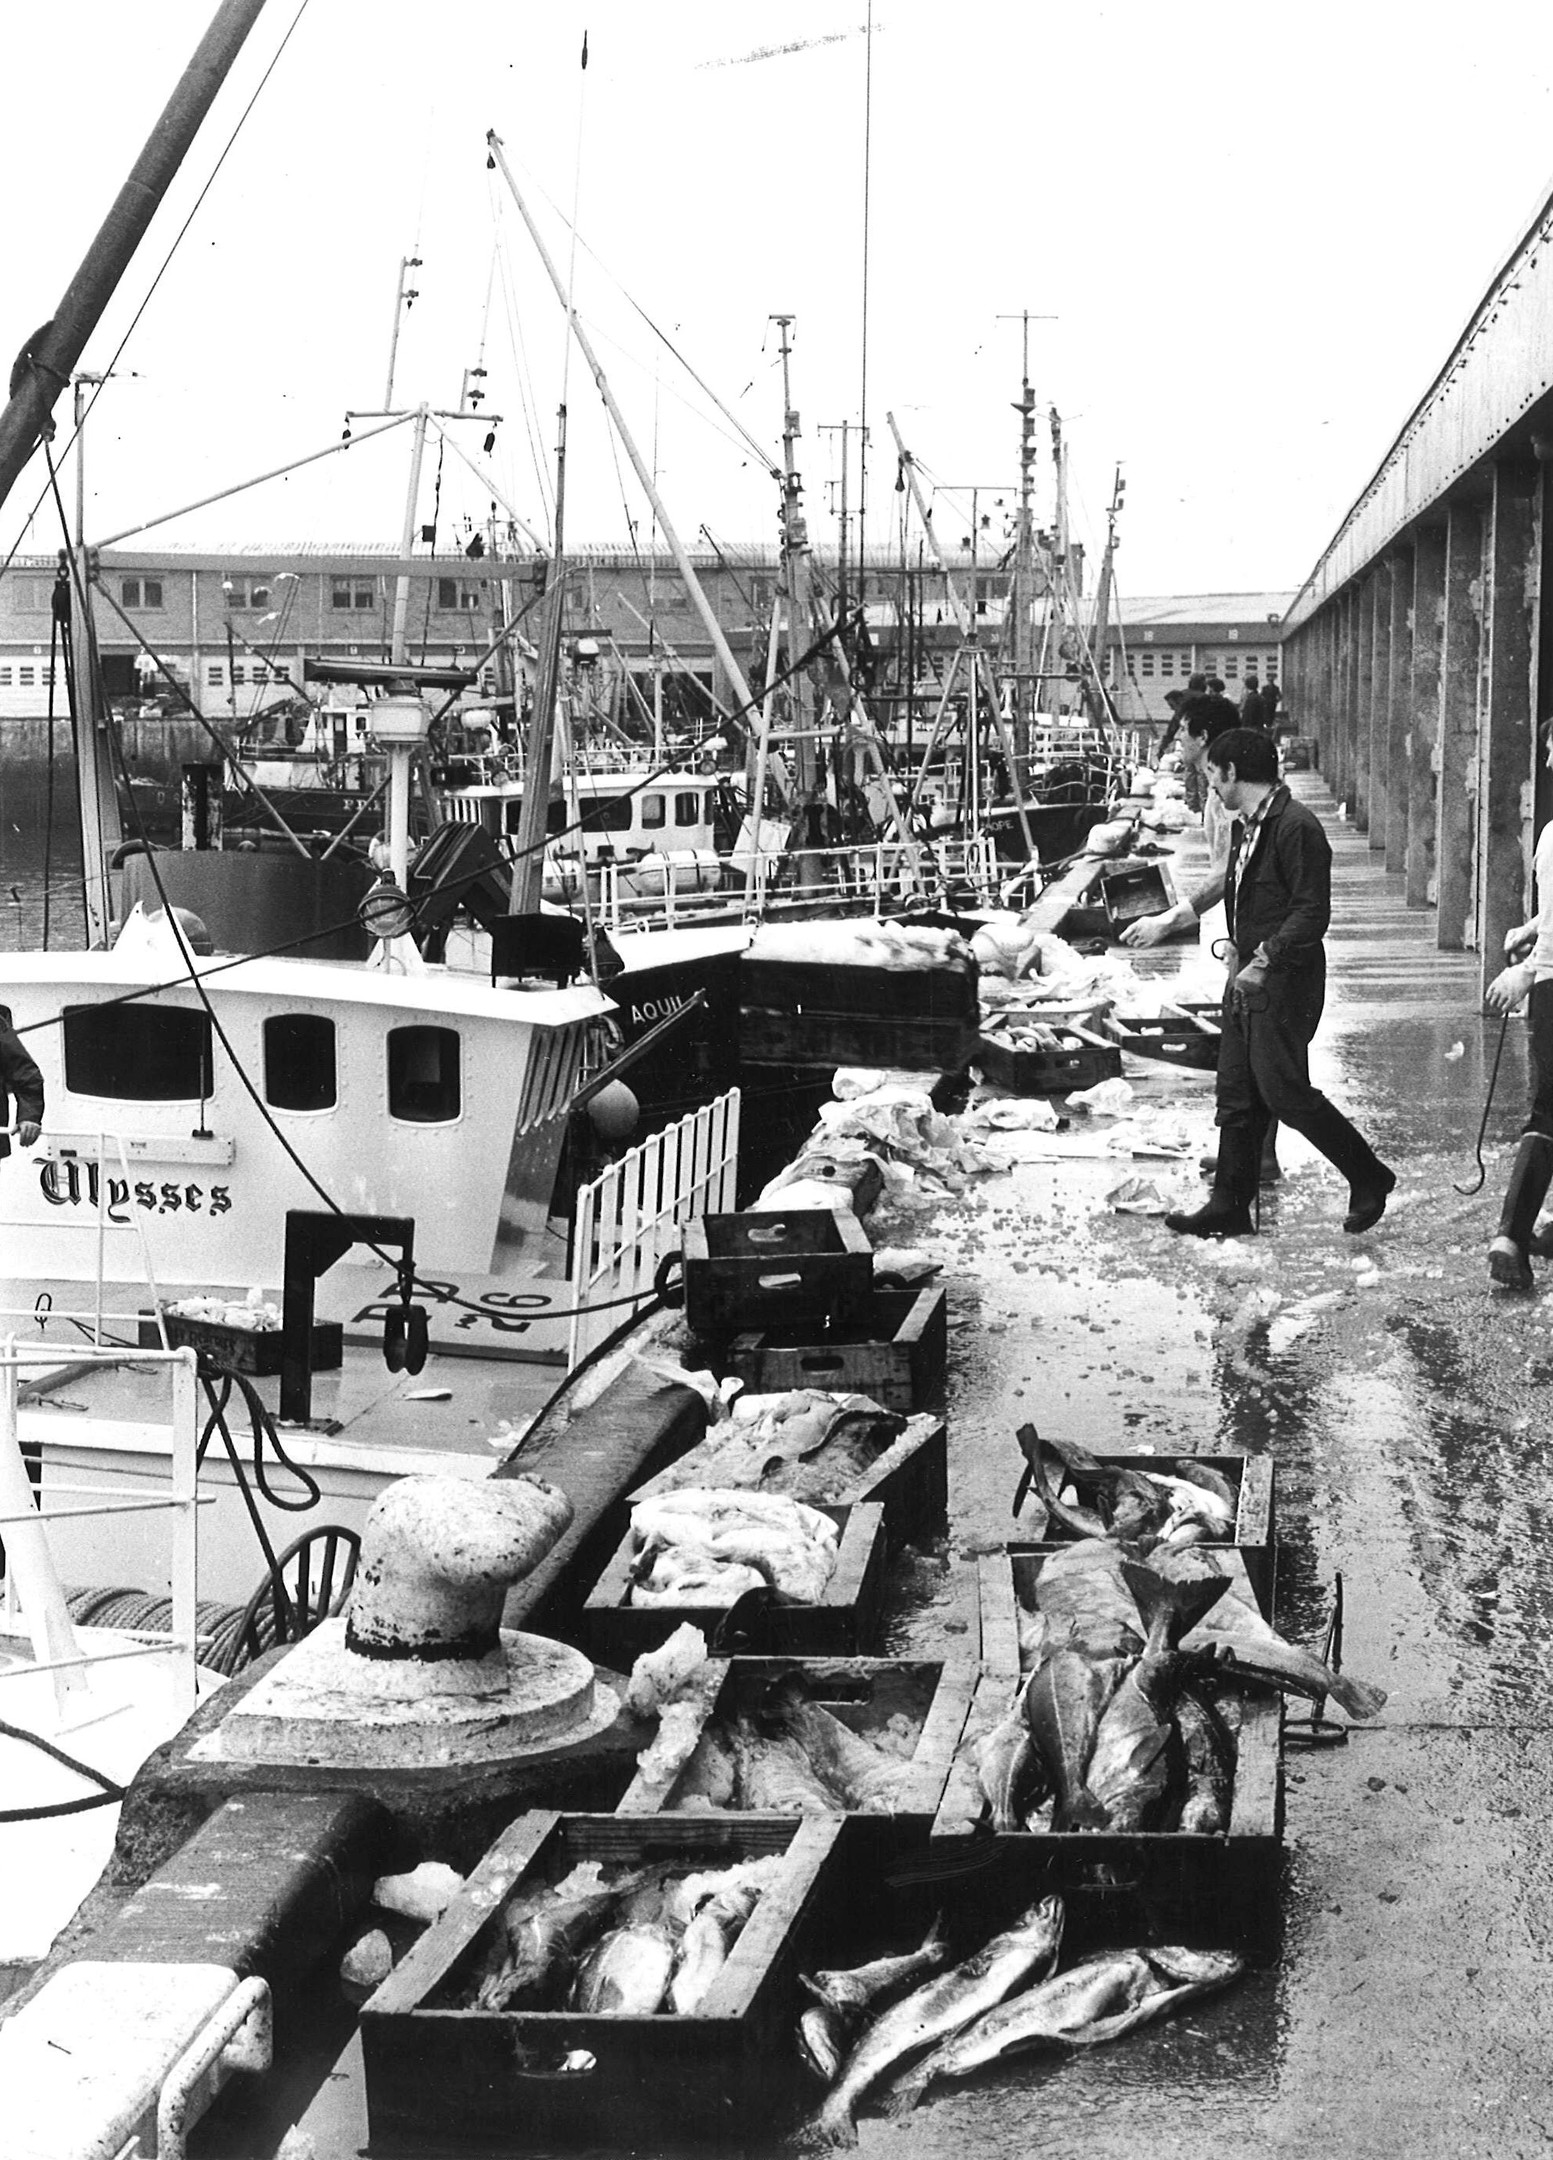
{"x": 767, "y": 458}
{"x": 166, "y": 264}
{"x": 514, "y": 320}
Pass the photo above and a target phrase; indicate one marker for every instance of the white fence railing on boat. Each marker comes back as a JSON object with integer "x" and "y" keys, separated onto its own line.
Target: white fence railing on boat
{"x": 629, "y": 1219}
{"x": 34, "y": 1599}
{"x": 886, "y": 872}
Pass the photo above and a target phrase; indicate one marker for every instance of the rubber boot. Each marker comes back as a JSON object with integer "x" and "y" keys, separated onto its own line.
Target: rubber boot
{"x": 1227, "y": 1212}
{"x": 1508, "y": 1263}
{"x": 1271, "y": 1172}
{"x": 1370, "y": 1181}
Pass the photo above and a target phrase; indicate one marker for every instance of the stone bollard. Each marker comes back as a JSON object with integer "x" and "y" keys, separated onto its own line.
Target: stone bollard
{"x": 438, "y": 1555}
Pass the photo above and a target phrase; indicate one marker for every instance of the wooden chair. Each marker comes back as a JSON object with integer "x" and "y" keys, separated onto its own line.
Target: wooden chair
{"x": 310, "y": 1581}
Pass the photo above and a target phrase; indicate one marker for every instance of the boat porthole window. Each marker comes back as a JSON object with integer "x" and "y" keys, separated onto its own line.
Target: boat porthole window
{"x": 299, "y": 1062}
{"x": 137, "y": 1053}
{"x": 654, "y": 811}
{"x": 687, "y": 808}
{"x": 423, "y": 1075}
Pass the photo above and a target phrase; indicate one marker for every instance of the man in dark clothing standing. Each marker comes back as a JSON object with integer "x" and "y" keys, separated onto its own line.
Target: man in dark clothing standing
{"x": 1251, "y": 700}
{"x": 21, "y": 1078}
{"x": 1276, "y": 888}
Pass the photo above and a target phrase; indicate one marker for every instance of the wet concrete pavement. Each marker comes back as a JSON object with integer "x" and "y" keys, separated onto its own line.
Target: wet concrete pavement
{"x": 1408, "y": 2008}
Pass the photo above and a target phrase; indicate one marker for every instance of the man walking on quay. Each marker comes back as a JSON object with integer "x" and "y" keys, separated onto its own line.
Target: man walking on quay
{"x": 1276, "y": 888}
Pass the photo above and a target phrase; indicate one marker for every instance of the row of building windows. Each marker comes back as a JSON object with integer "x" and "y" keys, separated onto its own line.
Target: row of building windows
{"x": 260, "y": 672}
{"x": 26, "y": 677}
{"x": 157, "y": 1053}
{"x": 245, "y": 595}
{"x": 1164, "y": 665}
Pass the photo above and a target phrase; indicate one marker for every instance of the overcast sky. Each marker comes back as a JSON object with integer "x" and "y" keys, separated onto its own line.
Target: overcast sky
{"x": 1258, "y": 230}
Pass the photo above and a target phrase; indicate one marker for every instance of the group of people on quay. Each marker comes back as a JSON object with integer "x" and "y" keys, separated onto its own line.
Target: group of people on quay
{"x": 1270, "y": 863}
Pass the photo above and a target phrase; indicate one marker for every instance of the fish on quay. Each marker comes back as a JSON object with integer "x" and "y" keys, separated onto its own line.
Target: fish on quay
{"x": 852, "y": 1992}
{"x": 941, "y": 2007}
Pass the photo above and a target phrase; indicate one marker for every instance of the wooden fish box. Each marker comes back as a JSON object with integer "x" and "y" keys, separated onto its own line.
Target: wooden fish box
{"x": 775, "y": 1267}
{"x": 864, "y": 1693}
{"x": 901, "y": 1019}
{"x": 1252, "y": 1478}
{"x": 1081, "y": 1060}
{"x": 437, "y": 2076}
{"x": 894, "y": 1350}
{"x": 1151, "y": 1884}
{"x": 1130, "y": 894}
{"x": 255, "y": 1351}
{"x": 843, "y": 1624}
{"x": 910, "y": 1481}
{"x": 1187, "y": 1040}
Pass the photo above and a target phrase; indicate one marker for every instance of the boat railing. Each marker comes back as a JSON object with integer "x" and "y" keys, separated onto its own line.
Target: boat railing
{"x": 34, "y": 1599}
{"x": 629, "y": 1219}
{"x": 888, "y": 872}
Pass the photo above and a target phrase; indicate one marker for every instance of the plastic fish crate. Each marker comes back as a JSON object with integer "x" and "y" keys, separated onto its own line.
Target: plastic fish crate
{"x": 438, "y": 2076}
{"x": 255, "y": 1351}
{"x": 864, "y": 1693}
{"x": 1254, "y": 1481}
{"x": 1187, "y": 1040}
{"x": 1082, "y": 1061}
{"x": 843, "y": 1624}
{"x": 894, "y": 1351}
{"x": 774, "y": 1267}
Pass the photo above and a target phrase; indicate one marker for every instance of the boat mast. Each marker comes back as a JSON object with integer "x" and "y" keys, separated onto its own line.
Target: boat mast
{"x": 981, "y": 674}
{"x": 795, "y": 580}
{"x": 703, "y": 606}
{"x": 528, "y": 869}
{"x": 46, "y": 362}
{"x": 1105, "y": 704}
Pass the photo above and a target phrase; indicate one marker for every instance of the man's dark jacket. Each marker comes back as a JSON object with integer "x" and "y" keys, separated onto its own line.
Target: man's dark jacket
{"x": 1282, "y": 898}
{"x": 18, "y": 1076}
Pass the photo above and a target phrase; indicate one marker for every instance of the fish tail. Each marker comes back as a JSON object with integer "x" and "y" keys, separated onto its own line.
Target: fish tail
{"x": 1082, "y": 1811}
{"x": 1172, "y": 1606}
{"x": 935, "y": 1942}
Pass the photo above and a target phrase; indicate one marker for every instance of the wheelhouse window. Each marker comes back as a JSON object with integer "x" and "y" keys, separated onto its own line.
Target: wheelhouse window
{"x": 605, "y": 813}
{"x": 299, "y": 1062}
{"x": 137, "y": 1053}
{"x": 654, "y": 811}
{"x": 687, "y": 808}
{"x": 423, "y": 1075}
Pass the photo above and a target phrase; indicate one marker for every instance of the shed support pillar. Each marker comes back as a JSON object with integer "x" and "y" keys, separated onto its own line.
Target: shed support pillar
{"x": 1456, "y": 740}
{"x": 1422, "y": 693}
{"x": 1506, "y": 755}
{"x": 1398, "y": 708}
